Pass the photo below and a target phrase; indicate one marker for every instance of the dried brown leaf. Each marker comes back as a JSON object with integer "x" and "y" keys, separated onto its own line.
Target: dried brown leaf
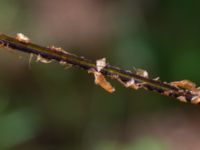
{"x": 101, "y": 81}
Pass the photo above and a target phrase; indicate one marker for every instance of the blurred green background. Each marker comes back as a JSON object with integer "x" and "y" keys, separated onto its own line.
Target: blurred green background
{"x": 45, "y": 107}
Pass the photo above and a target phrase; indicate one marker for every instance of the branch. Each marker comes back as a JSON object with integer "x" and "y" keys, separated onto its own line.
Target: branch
{"x": 184, "y": 90}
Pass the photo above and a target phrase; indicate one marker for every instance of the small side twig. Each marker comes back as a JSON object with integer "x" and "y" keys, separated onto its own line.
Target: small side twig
{"x": 184, "y": 90}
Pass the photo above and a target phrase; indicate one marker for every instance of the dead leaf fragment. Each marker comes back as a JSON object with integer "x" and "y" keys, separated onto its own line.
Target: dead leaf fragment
{"x": 195, "y": 100}
{"x": 142, "y": 72}
{"x": 22, "y": 38}
{"x": 132, "y": 84}
{"x": 185, "y": 84}
{"x": 65, "y": 64}
{"x": 57, "y": 49}
{"x": 100, "y": 64}
{"x": 43, "y": 60}
{"x": 182, "y": 99}
{"x": 101, "y": 81}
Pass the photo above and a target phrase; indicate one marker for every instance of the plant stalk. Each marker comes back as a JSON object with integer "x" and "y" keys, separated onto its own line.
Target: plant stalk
{"x": 179, "y": 92}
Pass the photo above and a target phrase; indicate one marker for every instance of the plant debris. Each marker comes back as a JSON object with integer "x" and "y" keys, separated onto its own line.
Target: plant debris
{"x": 65, "y": 64}
{"x": 142, "y": 73}
{"x": 101, "y": 81}
{"x": 43, "y": 60}
{"x": 185, "y": 84}
{"x": 22, "y": 38}
{"x": 30, "y": 60}
{"x": 196, "y": 100}
{"x": 100, "y": 64}
{"x": 130, "y": 84}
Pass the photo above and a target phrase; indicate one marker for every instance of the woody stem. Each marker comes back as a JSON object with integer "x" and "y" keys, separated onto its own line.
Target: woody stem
{"x": 86, "y": 64}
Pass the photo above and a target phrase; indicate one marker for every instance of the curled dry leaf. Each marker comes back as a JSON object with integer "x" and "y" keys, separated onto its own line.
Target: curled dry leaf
{"x": 22, "y": 38}
{"x": 188, "y": 85}
{"x": 100, "y": 64}
{"x": 131, "y": 83}
{"x": 185, "y": 84}
{"x": 101, "y": 81}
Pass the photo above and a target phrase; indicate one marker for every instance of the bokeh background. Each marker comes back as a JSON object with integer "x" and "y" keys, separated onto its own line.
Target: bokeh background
{"x": 46, "y": 107}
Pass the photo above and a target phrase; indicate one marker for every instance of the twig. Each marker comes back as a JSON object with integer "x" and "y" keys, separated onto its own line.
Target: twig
{"x": 184, "y": 91}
